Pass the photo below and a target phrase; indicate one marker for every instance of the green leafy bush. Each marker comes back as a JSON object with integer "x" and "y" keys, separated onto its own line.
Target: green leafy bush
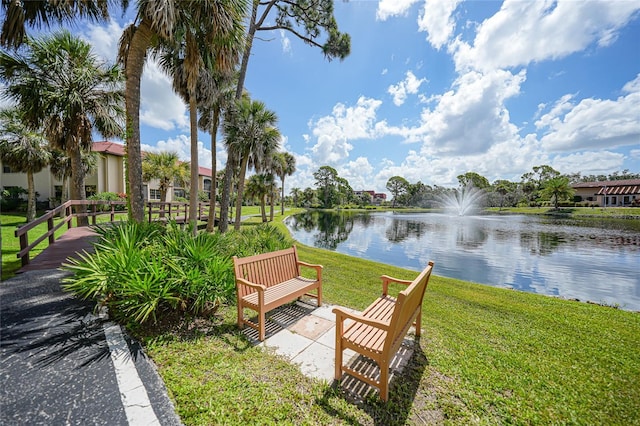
{"x": 140, "y": 271}
{"x": 109, "y": 196}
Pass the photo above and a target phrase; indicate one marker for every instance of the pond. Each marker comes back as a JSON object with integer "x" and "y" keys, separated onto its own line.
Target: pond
{"x": 589, "y": 260}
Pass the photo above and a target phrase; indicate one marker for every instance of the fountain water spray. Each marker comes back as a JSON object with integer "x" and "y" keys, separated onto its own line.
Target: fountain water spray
{"x": 461, "y": 201}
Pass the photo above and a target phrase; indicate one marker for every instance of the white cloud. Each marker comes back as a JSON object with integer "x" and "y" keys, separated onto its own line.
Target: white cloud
{"x": 390, "y": 8}
{"x": 593, "y": 123}
{"x": 409, "y": 86}
{"x": 181, "y": 145}
{"x": 334, "y": 131}
{"x": 589, "y": 162}
{"x": 358, "y": 173}
{"x": 285, "y": 41}
{"x": 104, "y": 39}
{"x": 532, "y": 31}
{"x": 468, "y": 119}
{"x": 160, "y": 107}
{"x": 435, "y": 18}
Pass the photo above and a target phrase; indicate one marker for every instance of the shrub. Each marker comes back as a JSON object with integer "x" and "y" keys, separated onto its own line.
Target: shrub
{"x": 109, "y": 196}
{"x": 140, "y": 271}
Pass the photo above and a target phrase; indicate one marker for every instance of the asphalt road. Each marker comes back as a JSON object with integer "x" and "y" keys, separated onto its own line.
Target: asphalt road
{"x": 62, "y": 365}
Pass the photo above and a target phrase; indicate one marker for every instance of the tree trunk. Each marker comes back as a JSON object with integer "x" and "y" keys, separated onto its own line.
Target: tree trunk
{"x": 272, "y": 205}
{"x": 214, "y": 181}
{"x": 136, "y": 57}
{"x": 226, "y": 194}
{"x": 64, "y": 196}
{"x": 31, "y": 198}
{"x": 282, "y": 200}
{"x": 193, "y": 191}
{"x": 243, "y": 172}
{"x": 78, "y": 191}
{"x": 263, "y": 209}
{"x": 247, "y": 49}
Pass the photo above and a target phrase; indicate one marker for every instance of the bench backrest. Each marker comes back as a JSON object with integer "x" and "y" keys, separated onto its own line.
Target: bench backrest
{"x": 408, "y": 306}
{"x": 268, "y": 269}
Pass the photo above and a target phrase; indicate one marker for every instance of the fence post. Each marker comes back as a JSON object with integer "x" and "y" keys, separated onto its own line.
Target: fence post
{"x": 24, "y": 242}
{"x": 52, "y": 237}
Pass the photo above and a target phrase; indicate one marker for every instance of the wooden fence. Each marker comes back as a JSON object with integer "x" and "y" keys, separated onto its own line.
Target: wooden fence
{"x": 156, "y": 211}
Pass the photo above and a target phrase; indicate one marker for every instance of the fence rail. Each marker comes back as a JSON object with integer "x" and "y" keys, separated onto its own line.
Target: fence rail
{"x": 156, "y": 211}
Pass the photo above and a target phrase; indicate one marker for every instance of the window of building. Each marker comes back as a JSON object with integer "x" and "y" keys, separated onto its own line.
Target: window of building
{"x": 154, "y": 194}
{"x": 179, "y": 193}
{"x": 57, "y": 191}
{"x": 207, "y": 185}
{"x": 7, "y": 169}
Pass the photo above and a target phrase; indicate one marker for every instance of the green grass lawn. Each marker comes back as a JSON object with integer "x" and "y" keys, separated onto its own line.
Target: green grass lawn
{"x": 488, "y": 356}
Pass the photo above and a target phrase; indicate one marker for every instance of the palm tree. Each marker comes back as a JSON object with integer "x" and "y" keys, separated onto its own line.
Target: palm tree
{"x": 64, "y": 88}
{"x": 285, "y": 166}
{"x": 251, "y": 136}
{"x": 167, "y": 168}
{"x": 20, "y": 14}
{"x": 217, "y": 93}
{"x": 23, "y": 150}
{"x": 296, "y": 193}
{"x": 557, "y": 188}
{"x": 201, "y": 34}
{"x": 258, "y": 187}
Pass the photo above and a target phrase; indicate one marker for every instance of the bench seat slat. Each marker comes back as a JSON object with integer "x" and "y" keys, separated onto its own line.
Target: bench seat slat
{"x": 281, "y": 291}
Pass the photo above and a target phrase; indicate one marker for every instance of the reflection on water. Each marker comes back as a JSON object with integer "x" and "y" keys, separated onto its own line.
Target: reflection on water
{"x": 578, "y": 259}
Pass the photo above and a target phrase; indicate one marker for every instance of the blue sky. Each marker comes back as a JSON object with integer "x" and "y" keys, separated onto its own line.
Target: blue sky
{"x": 434, "y": 89}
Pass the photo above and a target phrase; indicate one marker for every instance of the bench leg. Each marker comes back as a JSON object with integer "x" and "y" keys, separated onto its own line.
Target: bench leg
{"x": 419, "y": 322}
{"x": 384, "y": 382}
{"x": 240, "y": 316}
{"x": 338, "y": 370}
{"x": 338, "y": 367}
{"x": 261, "y": 325}
{"x": 320, "y": 296}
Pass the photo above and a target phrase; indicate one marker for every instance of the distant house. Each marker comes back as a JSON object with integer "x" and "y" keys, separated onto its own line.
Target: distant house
{"x": 109, "y": 177}
{"x": 609, "y": 193}
{"x": 376, "y": 197}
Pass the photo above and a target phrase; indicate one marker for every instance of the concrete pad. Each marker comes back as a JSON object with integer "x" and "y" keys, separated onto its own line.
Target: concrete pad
{"x": 316, "y": 361}
{"x": 326, "y": 312}
{"x": 287, "y": 344}
{"x": 311, "y": 326}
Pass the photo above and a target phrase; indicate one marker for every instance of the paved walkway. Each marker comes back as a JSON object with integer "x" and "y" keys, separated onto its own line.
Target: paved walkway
{"x": 62, "y": 365}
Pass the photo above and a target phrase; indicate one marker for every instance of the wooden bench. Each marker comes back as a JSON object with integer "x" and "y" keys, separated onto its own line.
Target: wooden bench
{"x": 266, "y": 281}
{"x": 379, "y": 330}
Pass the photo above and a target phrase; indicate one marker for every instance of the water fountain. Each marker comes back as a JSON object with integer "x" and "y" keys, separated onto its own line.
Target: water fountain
{"x": 462, "y": 201}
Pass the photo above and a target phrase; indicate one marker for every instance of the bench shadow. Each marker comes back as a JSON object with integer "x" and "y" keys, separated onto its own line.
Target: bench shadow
{"x": 279, "y": 319}
{"x": 407, "y": 369}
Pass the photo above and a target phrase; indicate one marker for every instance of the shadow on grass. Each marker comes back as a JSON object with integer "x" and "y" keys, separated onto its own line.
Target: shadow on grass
{"x": 403, "y": 394}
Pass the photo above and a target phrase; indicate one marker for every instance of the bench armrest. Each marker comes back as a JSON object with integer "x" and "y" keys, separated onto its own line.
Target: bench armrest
{"x": 341, "y": 315}
{"x": 318, "y": 268}
{"x": 386, "y": 279}
{"x": 258, "y": 287}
